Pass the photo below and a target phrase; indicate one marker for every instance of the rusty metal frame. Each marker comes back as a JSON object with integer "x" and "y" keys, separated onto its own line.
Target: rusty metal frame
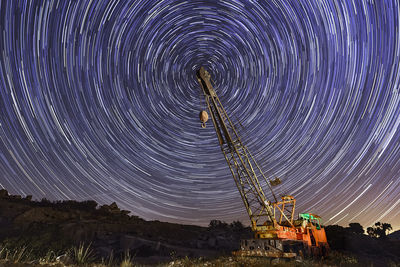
{"x": 288, "y": 205}
{"x": 242, "y": 165}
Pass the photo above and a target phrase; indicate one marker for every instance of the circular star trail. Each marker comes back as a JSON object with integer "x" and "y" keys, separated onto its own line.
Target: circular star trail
{"x": 99, "y": 101}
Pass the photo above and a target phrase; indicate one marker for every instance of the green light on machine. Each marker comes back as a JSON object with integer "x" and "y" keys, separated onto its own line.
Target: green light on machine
{"x": 315, "y": 219}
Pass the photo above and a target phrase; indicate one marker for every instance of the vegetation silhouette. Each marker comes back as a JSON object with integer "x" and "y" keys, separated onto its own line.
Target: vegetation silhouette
{"x": 380, "y": 230}
{"x": 355, "y": 228}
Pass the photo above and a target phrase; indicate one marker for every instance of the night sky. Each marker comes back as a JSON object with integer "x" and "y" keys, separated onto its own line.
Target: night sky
{"x": 99, "y": 100}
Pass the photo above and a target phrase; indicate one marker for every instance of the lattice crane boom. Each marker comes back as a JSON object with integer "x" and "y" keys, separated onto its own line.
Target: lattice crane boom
{"x": 243, "y": 167}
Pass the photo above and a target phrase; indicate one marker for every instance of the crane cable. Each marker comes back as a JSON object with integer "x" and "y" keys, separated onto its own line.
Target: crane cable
{"x": 203, "y": 107}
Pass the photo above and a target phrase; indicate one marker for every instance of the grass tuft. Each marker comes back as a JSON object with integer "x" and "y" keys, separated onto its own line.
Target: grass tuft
{"x": 16, "y": 255}
{"x": 127, "y": 260}
{"x": 82, "y": 255}
{"x": 50, "y": 257}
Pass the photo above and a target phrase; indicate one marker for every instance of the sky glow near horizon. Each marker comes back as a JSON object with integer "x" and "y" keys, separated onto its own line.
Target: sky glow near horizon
{"x": 98, "y": 100}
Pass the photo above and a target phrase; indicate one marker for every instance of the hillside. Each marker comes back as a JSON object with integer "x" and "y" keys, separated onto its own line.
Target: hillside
{"x": 380, "y": 251}
{"x": 43, "y": 226}
{"x": 58, "y": 226}
{"x": 395, "y": 235}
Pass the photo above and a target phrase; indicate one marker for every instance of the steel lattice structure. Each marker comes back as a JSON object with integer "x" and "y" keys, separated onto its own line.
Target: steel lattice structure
{"x": 244, "y": 169}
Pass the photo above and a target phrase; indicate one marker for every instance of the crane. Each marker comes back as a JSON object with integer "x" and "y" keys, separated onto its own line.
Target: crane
{"x": 276, "y": 233}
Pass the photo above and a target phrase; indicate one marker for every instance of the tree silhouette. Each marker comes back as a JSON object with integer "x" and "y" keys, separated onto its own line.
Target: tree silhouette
{"x": 380, "y": 229}
{"x": 236, "y": 226}
{"x": 217, "y": 224}
{"x": 355, "y": 228}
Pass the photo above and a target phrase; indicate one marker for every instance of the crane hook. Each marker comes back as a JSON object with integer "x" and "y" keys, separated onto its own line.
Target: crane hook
{"x": 203, "y": 118}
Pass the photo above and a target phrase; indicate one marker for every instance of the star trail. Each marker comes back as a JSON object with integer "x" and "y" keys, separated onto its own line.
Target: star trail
{"x": 99, "y": 101}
